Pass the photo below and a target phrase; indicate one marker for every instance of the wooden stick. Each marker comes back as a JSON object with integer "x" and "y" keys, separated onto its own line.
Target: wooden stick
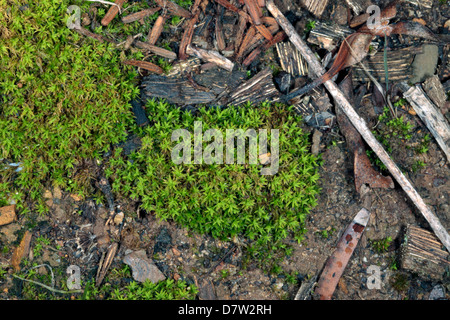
{"x": 145, "y": 65}
{"x": 112, "y": 12}
{"x": 210, "y": 56}
{"x": 430, "y": 115}
{"x": 140, "y": 15}
{"x": 155, "y": 32}
{"x": 360, "y": 125}
{"x": 156, "y": 50}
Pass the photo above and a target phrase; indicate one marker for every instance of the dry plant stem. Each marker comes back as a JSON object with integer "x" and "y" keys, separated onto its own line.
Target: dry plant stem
{"x": 140, "y": 15}
{"x": 360, "y": 125}
{"x": 145, "y": 65}
{"x": 112, "y": 12}
{"x": 47, "y": 287}
{"x": 156, "y": 50}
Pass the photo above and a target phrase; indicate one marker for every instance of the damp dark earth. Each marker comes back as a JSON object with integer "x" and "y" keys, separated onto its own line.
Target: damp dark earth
{"x": 224, "y": 150}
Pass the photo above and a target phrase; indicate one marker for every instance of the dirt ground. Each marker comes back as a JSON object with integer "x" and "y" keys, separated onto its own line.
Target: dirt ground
{"x": 78, "y": 226}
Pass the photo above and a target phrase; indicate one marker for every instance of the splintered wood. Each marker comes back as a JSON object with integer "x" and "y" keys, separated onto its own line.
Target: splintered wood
{"x": 423, "y": 253}
{"x": 430, "y": 115}
{"x": 291, "y": 60}
{"x": 399, "y": 64}
{"x": 258, "y": 89}
{"x": 316, "y": 7}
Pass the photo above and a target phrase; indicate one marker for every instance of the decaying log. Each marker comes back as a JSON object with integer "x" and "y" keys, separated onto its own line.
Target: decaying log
{"x": 140, "y": 15}
{"x": 399, "y": 63}
{"x": 157, "y": 29}
{"x": 260, "y": 88}
{"x": 430, "y": 115}
{"x": 174, "y": 8}
{"x": 291, "y": 60}
{"x": 335, "y": 265}
{"x": 360, "y": 125}
{"x": 422, "y": 253}
{"x": 145, "y": 65}
{"x": 156, "y": 50}
{"x": 210, "y": 56}
{"x": 316, "y": 7}
{"x": 112, "y": 12}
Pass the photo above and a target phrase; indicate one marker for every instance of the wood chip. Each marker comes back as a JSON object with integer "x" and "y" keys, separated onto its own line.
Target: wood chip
{"x": 7, "y": 214}
{"x": 21, "y": 251}
{"x": 145, "y": 65}
{"x": 316, "y": 7}
{"x": 112, "y": 12}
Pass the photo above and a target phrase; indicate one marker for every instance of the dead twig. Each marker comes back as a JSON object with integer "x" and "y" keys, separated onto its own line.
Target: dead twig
{"x": 144, "y": 65}
{"x": 140, "y": 15}
{"x": 112, "y": 12}
{"x": 360, "y": 125}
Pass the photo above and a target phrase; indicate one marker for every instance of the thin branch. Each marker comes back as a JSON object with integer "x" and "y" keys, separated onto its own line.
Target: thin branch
{"x": 47, "y": 287}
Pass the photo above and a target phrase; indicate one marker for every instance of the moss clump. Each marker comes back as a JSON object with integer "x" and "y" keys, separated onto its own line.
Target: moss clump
{"x": 63, "y": 98}
{"x": 225, "y": 200}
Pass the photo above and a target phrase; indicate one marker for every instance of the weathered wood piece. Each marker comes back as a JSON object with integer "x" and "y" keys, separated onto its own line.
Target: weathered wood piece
{"x": 291, "y": 60}
{"x": 174, "y": 8}
{"x": 112, "y": 12}
{"x": 7, "y": 214}
{"x": 399, "y": 64}
{"x": 335, "y": 265}
{"x": 145, "y": 65}
{"x": 156, "y": 50}
{"x": 360, "y": 125}
{"x": 157, "y": 29}
{"x": 178, "y": 91}
{"x": 435, "y": 91}
{"x": 422, "y": 253}
{"x": 329, "y": 36}
{"x": 140, "y": 15}
{"x": 210, "y": 56}
{"x": 258, "y": 89}
{"x": 430, "y": 115}
{"x": 139, "y": 113}
{"x": 316, "y": 7}
{"x": 182, "y": 66}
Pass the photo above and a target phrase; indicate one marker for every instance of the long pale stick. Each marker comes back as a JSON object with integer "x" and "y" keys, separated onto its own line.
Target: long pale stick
{"x": 360, "y": 125}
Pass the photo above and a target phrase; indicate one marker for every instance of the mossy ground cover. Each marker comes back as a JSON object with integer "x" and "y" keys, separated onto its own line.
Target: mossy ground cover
{"x": 64, "y": 100}
{"x": 225, "y": 200}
